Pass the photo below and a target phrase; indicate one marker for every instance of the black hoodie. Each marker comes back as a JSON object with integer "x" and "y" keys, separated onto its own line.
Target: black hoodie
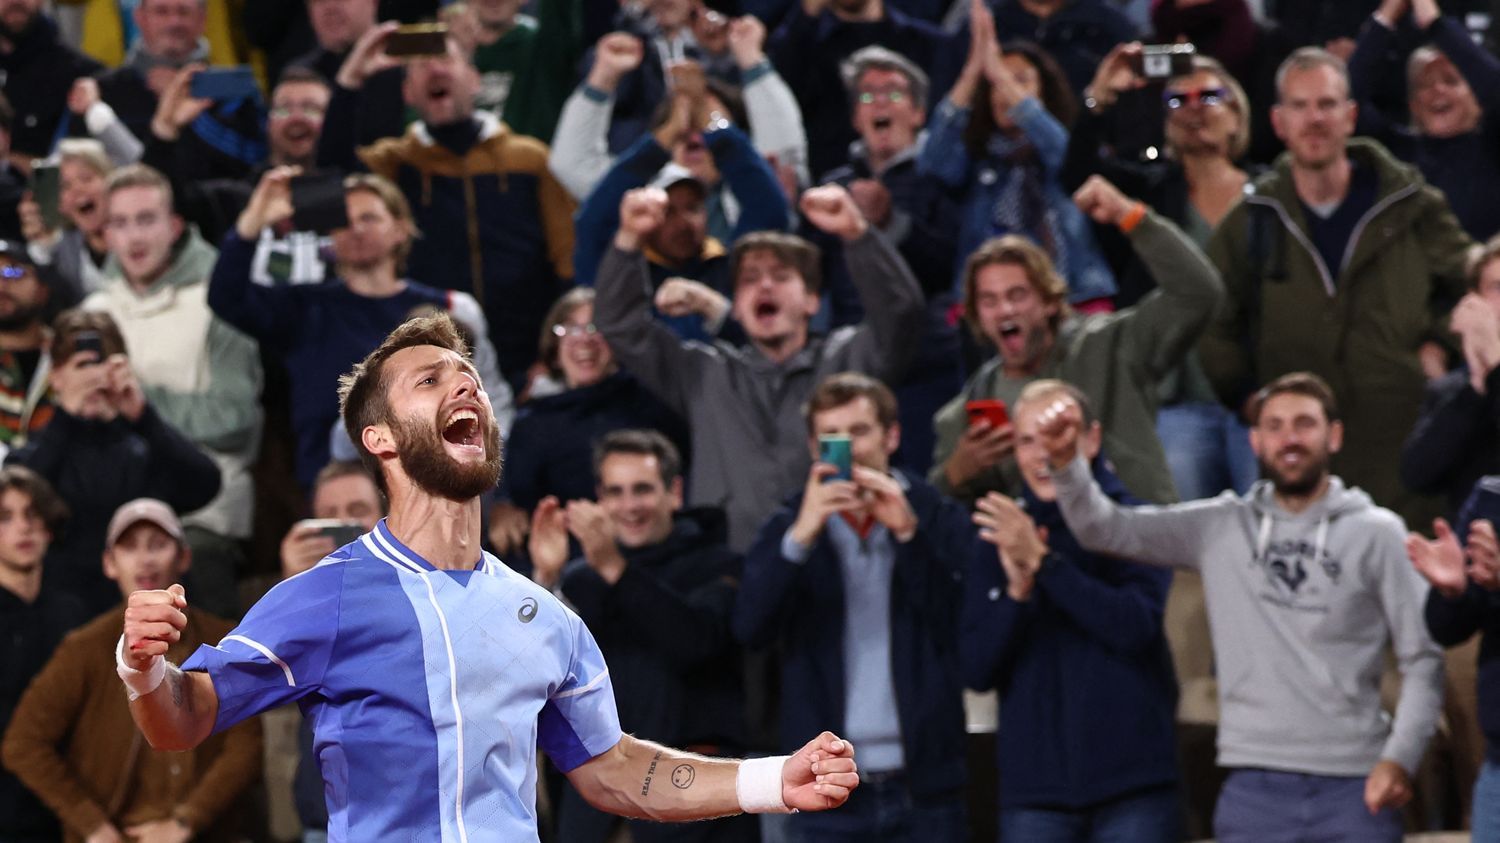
{"x": 664, "y": 630}
{"x": 36, "y": 76}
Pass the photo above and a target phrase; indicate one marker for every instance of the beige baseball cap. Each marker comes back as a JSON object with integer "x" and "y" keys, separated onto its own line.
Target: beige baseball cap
{"x": 143, "y": 509}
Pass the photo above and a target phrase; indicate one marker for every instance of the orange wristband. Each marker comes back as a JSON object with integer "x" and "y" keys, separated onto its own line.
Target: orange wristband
{"x": 1133, "y": 218}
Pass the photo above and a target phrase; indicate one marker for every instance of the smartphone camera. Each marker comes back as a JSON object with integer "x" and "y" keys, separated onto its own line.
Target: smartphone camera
{"x": 1159, "y": 62}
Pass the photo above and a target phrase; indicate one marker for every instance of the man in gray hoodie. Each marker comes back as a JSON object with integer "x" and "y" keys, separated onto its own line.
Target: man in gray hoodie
{"x": 1307, "y": 580}
{"x": 744, "y": 403}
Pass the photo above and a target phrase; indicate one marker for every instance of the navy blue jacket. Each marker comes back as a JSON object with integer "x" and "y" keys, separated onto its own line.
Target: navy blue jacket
{"x": 664, "y": 629}
{"x": 1452, "y": 622}
{"x": 319, "y": 331}
{"x": 802, "y": 607}
{"x": 1088, "y": 697}
{"x": 550, "y": 450}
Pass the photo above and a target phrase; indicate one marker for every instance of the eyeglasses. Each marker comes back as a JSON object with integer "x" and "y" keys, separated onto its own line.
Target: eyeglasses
{"x": 565, "y": 331}
{"x": 1203, "y": 96}
{"x": 282, "y": 112}
{"x": 14, "y": 272}
{"x": 890, "y": 96}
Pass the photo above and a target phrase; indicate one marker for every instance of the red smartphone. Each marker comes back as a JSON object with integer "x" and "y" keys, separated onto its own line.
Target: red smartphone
{"x": 990, "y": 410}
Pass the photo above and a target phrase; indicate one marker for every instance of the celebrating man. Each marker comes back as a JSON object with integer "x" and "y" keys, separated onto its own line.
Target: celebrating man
{"x": 406, "y": 750}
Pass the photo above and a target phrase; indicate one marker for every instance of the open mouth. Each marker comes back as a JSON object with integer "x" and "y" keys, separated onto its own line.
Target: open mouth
{"x": 462, "y": 429}
{"x": 1009, "y": 330}
{"x": 149, "y": 582}
{"x": 880, "y": 124}
{"x": 766, "y": 310}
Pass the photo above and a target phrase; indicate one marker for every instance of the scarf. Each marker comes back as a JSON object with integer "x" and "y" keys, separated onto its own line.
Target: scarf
{"x": 1021, "y": 207}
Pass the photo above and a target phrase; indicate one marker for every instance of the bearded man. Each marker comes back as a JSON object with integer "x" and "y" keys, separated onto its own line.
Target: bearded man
{"x": 429, "y": 671}
{"x": 1307, "y": 581}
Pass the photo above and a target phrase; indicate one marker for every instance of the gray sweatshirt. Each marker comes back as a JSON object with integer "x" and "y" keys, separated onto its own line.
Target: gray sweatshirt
{"x": 744, "y": 411}
{"x": 1301, "y": 607}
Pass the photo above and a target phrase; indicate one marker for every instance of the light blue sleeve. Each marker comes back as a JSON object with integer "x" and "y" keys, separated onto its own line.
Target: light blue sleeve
{"x": 279, "y": 652}
{"x": 580, "y": 721}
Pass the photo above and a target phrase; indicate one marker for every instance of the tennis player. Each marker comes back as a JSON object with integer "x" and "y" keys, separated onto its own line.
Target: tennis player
{"x": 430, "y": 672}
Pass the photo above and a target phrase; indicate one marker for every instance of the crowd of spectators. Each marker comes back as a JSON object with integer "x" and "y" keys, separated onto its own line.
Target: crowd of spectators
{"x": 903, "y": 368}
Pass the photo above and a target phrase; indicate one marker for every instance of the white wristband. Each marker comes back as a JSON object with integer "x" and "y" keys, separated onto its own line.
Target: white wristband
{"x": 758, "y": 785}
{"x": 139, "y": 683}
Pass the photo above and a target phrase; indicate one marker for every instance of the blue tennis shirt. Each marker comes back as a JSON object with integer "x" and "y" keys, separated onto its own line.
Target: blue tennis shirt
{"x": 428, "y": 691}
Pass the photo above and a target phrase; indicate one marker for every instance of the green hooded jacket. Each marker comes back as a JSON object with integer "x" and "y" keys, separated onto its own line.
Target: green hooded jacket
{"x": 1358, "y": 325}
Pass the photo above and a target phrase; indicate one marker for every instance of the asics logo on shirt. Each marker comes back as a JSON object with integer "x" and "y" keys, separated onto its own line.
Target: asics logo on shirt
{"x": 527, "y": 610}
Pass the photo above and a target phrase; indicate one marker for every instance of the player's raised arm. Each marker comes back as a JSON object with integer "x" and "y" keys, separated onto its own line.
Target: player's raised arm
{"x": 642, "y": 779}
{"x": 174, "y": 710}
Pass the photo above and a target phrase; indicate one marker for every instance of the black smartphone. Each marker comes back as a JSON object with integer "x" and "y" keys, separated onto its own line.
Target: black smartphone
{"x": 89, "y": 341}
{"x": 342, "y": 532}
{"x": 224, "y": 84}
{"x": 318, "y": 203}
{"x": 1163, "y": 61}
{"x": 416, "y": 40}
{"x": 46, "y": 186}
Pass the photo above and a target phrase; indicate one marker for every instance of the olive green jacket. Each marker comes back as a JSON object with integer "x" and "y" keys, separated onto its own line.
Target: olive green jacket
{"x": 1358, "y": 325}
{"x": 1117, "y": 359}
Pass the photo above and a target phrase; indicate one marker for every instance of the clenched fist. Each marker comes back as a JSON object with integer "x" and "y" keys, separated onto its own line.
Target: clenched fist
{"x": 832, "y": 209}
{"x": 1102, "y": 201}
{"x": 642, "y": 211}
{"x": 154, "y": 621}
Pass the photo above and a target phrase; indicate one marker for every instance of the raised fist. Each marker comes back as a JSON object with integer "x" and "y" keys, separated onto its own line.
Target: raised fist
{"x": 1102, "y": 201}
{"x": 642, "y": 211}
{"x": 832, "y": 209}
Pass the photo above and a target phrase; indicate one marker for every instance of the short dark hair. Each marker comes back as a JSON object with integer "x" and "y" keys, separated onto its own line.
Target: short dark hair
{"x": 1296, "y": 383}
{"x": 645, "y": 443}
{"x": 790, "y": 249}
{"x": 362, "y": 392}
{"x": 842, "y": 388}
{"x": 70, "y": 323}
{"x": 44, "y": 499}
{"x": 301, "y": 74}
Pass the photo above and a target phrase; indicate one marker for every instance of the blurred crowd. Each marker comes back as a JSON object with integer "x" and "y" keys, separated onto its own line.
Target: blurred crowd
{"x": 1083, "y": 406}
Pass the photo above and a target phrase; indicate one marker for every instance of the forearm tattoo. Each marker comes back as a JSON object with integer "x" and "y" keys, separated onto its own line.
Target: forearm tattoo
{"x": 650, "y": 771}
{"x": 180, "y": 695}
{"x": 682, "y": 776}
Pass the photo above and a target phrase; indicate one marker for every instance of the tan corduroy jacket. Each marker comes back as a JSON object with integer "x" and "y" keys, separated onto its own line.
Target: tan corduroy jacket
{"x": 73, "y": 742}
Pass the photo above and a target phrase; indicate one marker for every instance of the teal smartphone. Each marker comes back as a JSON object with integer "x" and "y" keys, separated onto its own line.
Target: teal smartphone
{"x": 836, "y": 451}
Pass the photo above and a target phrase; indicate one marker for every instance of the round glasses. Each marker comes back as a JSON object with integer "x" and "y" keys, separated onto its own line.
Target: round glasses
{"x": 870, "y": 97}
{"x": 575, "y": 331}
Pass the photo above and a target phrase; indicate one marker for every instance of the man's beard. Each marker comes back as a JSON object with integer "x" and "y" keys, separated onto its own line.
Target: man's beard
{"x": 423, "y": 458}
{"x": 23, "y": 317}
{"x": 1310, "y": 473}
{"x": 14, "y": 35}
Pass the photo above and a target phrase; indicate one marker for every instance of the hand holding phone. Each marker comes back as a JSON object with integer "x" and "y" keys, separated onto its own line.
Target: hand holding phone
{"x": 45, "y": 189}
{"x": 418, "y": 40}
{"x": 991, "y": 410}
{"x": 341, "y": 532}
{"x": 318, "y": 203}
{"x": 223, "y": 84}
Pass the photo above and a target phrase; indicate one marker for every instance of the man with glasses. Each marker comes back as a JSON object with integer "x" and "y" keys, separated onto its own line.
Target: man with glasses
{"x": 888, "y": 98}
{"x": 1341, "y": 261}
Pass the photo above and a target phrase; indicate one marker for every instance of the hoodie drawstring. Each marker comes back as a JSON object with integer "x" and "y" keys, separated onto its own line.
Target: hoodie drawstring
{"x": 1263, "y": 539}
